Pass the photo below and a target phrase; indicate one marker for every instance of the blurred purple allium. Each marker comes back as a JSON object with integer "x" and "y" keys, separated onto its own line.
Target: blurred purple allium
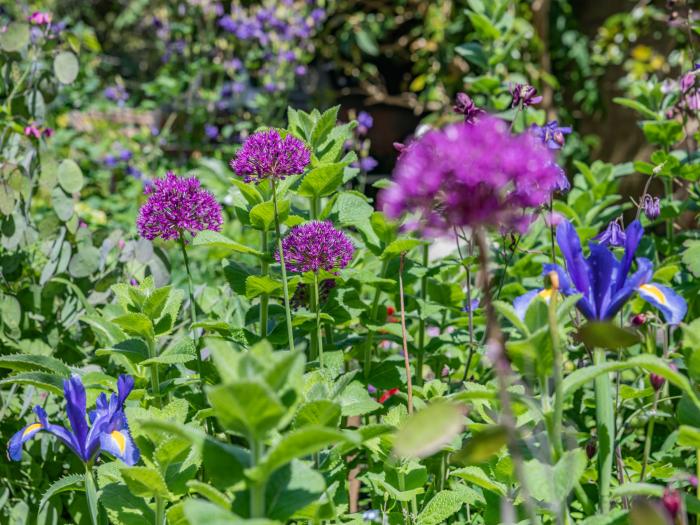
{"x": 300, "y": 71}
{"x": 464, "y": 105}
{"x": 134, "y": 172}
{"x": 651, "y": 206}
{"x": 116, "y": 93}
{"x": 613, "y": 235}
{"x": 472, "y": 175}
{"x": 110, "y": 161}
{"x": 551, "y": 134}
{"x": 176, "y": 205}
{"x": 125, "y": 155}
{"x": 368, "y": 163}
{"x": 211, "y": 131}
{"x": 314, "y": 246}
{"x": 364, "y": 122}
{"x": 266, "y": 154}
{"x": 524, "y": 94}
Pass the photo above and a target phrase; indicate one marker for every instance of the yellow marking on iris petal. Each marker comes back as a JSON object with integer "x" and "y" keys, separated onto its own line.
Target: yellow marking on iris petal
{"x": 120, "y": 440}
{"x": 31, "y": 428}
{"x": 546, "y": 294}
{"x": 654, "y": 292}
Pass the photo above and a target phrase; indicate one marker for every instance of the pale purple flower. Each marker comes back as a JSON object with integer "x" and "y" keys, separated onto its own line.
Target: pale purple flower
{"x": 125, "y": 155}
{"x": 211, "y": 131}
{"x": 314, "y": 246}
{"x": 551, "y": 134}
{"x": 116, "y": 93}
{"x": 300, "y": 70}
{"x": 364, "y": 122}
{"x": 32, "y": 131}
{"x": 266, "y": 154}
{"x": 177, "y": 205}
{"x": 613, "y": 235}
{"x": 472, "y": 175}
{"x": 464, "y": 105}
{"x": 651, "y": 206}
{"x": 368, "y": 163}
{"x": 39, "y": 18}
{"x": 524, "y": 94}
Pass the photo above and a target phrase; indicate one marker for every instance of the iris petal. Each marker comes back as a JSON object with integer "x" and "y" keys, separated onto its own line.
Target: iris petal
{"x": 602, "y": 264}
{"x": 672, "y": 306}
{"x": 522, "y": 303}
{"x": 14, "y": 447}
{"x": 570, "y": 247}
{"x": 76, "y": 408}
{"x": 633, "y": 235}
{"x": 118, "y": 442}
{"x": 638, "y": 278}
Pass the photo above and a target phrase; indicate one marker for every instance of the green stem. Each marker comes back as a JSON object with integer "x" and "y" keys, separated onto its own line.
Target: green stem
{"x": 605, "y": 423}
{"x": 257, "y": 489}
{"x": 668, "y": 188}
{"x": 285, "y": 288}
{"x": 407, "y": 362}
{"x": 557, "y": 366}
{"x": 319, "y": 339}
{"x": 421, "y": 323}
{"x": 372, "y": 319}
{"x": 91, "y": 495}
{"x": 160, "y": 511}
{"x": 649, "y": 436}
{"x": 264, "y": 270}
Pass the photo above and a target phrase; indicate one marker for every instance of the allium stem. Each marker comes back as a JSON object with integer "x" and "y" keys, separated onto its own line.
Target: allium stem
{"x": 557, "y": 373}
{"x": 319, "y": 340}
{"x": 372, "y": 319}
{"x": 264, "y": 270}
{"x": 256, "y": 489}
{"x": 421, "y": 322}
{"x": 155, "y": 380}
{"x": 285, "y": 289}
{"x": 605, "y": 423}
{"x": 470, "y": 313}
{"x": 494, "y": 339}
{"x": 407, "y": 362}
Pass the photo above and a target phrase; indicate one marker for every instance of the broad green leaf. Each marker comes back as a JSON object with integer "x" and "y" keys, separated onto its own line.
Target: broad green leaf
{"x": 324, "y": 125}
{"x": 217, "y": 240}
{"x": 691, "y": 256}
{"x": 200, "y": 512}
{"x": 483, "y": 25}
{"x": 73, "y": 482}
{"x": 135, "y": 324}
{"x": 443, "y": 505}
{"x": 477, "y": 476}
{"x": 209, "y": 492}
{"x": 145, "y": 482}
{"x": 645, "y": 512}
{"x": 247, "y": 407}
{"x": 296, "y": 444}
{"x": 428, "y": 430}
{"x": 181, "y": 352}
{"x": 356, "y": 401}
{"x": 11, "y": 311}
{"x": 256, "y": 285}
{"x": 322, "y": 180}
{"x": 70, "y": 176}
{"x": 481, "y": 447}
{"x": 507, "y": 311}
{"x": 45, "y": 381}
{"x": 262, "y": 216}
{"x": 689, "y": 437}
{"x": 600, "y": 334}
{"x": 637, "y": 106}
{"x": 27, "y": 363}
{"x": 552, "y": 484}
{"x": 155, "y": 303}
{"x": 65, "y": 67}
{"x": 249, "y": 191}
{"x": 400, "y": 246}
{"x": 15, "y": 36}
{"x": 85, "y": 262}
{"x": 62, "y": 204}
{"x": 319, "y": 412}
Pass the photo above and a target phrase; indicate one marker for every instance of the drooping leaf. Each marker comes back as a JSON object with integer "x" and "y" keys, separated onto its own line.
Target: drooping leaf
{"x": 428, "y": 430}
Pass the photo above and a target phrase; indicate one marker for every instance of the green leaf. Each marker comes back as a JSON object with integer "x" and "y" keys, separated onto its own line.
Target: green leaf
{"x": 356, "y": 401}
{"x": 322, "y": 180}
{"x": 74, "y": 482}
{"x": 366, "y": 41}
{"x": 507, "y": 311}
{"x": 11, "y": 311}
{"x": 65, "y": 67}
{"x": 481, "y": 446}
{"x": 62, "y": 204}
{"x": 443, "y": 505}
{"x": 664, "y": 133}
{"x": 552, "y": 484}
{"x": 689, "y": 437}
{"x": 427, "y": 431}
{"x": 691, "y": 256}
{"x": 28, "y": 363}
{"x": 324, "y": 125}
{"x": 70, "y": 176}
{"x": 85, "y": 262}
{"x": 214, "y": 239}
{"x": 145, "y": 482}
{"x": 199, "y": 512}
{"x": 155, "y": 303}
{"x": 262, "y": 216}
{"x": 483, "y": 26}
{"x": 400, "y": 246}
{"x": 256, "y": 285}
{"x": 15, "y": 37}
{"x": 249, "y": 192}
{"x": 600, "y": 334}
{"x": 45, "y": 381}
{"x": 209, "y": 492}
{"x": 181, "y": 352}
{"x": 247, "y": 407}
{"x": 477, "y": 476}
{"x": 135, "y": 324}
{"x": 637, "y": 106}
{"x": 319, "y": 412}
{"x": 295, "y": 444}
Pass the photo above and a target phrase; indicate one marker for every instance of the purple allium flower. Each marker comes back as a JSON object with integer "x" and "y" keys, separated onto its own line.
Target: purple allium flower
{"x": 228, "y": 24}
{"x": 613, "y": 235}
{"x": 651, "y": 206}
{"x": 472, "y": 175}
{"x": 524, "y": 94}
{"x": 551, "y": 134}
{"x": 464, "y": 105}
{"x": 266, "y": 154}
{"x": 300, "y": 70}
{"x": 134, "y": 172}
{"x": 176, "y": 205}
{"x": 125, "y": 155}
{"x": 211, "y": 131}
{"x": 368, "y": 163}
{"x": 314, "y": 246}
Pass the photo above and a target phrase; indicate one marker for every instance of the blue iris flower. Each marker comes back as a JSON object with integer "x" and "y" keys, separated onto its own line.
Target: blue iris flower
{"x": 604, "y": 281}
{"x": 108, "y": 430}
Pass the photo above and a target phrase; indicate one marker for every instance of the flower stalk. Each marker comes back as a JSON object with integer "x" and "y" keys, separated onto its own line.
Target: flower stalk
{"x": 407, "y": 362}
{"x": 421, "y": 322}
{"x": 605, "y": 424}
{"x": 264, "y": 271}
{"x": 285, "y": 288}
{"x": 319, "y": 339}
{"x": 557, "y": 369}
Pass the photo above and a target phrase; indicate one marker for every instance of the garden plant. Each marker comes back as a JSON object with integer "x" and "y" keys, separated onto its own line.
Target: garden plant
{"x": 337, "y": 262}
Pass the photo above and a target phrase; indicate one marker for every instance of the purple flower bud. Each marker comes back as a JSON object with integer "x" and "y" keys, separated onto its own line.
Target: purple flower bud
{"x": 371, "y": 389}
{"x": 639, "y": 320}
{"x": 613, "y": 235}
{"x": 591, "y": 448}
{"x": 651, "y": 206}
{"x": 464, "y": 105}
{"x": 672, "y": 501}
{"x": 656, "y": 381}
{"x": 524, "y": 94}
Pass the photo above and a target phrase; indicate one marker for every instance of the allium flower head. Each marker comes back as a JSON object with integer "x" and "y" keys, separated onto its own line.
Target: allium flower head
{"x": 525, "y": 95}
{"x": 315, "y": 246}
{"x": 472, "y": 175}
{"x": 464, "y": 105}
{"x": 176, "y": 205}
{"x": 266, "y": 154}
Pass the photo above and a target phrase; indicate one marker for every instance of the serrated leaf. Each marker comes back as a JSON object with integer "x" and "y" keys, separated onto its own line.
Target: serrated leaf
{"x": 215, "y": 496}
{"x": 45, "y": 381}
{"x": 247, "y": 407}
{"x": 552, "y": 484}
{"x": 318, "y": 412}
{"x": 65, "y": 484}
{"x": 27, "y": 363}
{"x": 478, "y": 477}
{"x": 322, "y": 180}
{"x": 145, "y": 482}
{"x": 443, "y": 505}
{"x": 256, "y": 285}
{"x": 135, "y": 324}
{"x": 181, "y": 352}
{"x": 400, "y": 246}
{"x": 324, "y": 125}
{"x": 262, "y": 216}
{"x": 217, "y": 240}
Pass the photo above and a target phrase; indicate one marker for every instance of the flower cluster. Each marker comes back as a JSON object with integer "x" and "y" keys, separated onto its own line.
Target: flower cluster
{"x": 122, "y": 159}
{"x": 314, "y": 246}
{"x": 108, "y": 430}
{"x": 177, "y": 205}
{"x": 36, "y": 131}
{"x": 472, "y": 175}
{"x": 265, "y": 154}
